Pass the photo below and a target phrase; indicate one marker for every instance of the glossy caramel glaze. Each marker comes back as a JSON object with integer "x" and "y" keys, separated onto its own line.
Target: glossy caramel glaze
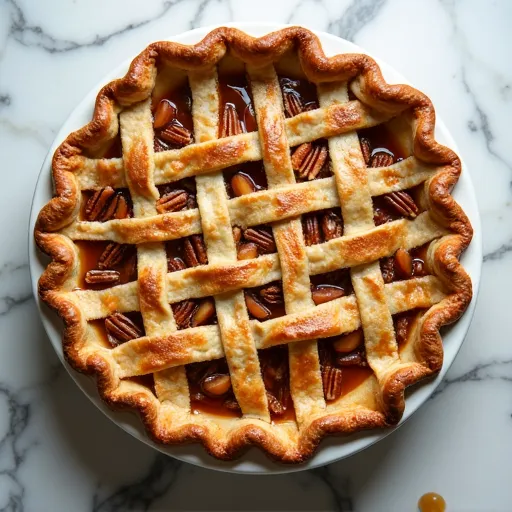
{"x": 432, "y": 502}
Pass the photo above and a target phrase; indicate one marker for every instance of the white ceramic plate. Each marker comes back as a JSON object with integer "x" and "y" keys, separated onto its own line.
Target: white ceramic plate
{"x": 333, "y": 448}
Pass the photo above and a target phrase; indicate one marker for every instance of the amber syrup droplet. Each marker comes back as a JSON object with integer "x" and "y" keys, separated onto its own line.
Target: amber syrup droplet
{"x": 431, "y": 502}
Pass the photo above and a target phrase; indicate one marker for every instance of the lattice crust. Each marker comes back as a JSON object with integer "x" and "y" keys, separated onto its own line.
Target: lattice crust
{"x": 123, "y": 106}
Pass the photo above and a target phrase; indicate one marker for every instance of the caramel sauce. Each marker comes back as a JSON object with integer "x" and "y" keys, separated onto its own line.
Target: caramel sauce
{"x": 90, "y": 253}
{"x": 352, "y": 377}
{"x": 431, "y": 502}
{"x": 276, "y": 310}
{"x": 234, "y": 89}
{"x": 339, "y": 278}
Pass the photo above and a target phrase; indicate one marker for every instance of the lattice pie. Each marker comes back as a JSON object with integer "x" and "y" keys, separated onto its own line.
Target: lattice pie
{"x": 254, "y": 244}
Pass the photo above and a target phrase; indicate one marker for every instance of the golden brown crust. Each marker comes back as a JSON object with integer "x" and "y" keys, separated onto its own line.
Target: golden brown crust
{"x": 370, "y": 88}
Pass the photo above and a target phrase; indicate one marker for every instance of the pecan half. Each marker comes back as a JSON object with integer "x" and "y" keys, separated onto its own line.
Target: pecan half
{"x": 348, "y": 342}
{"x": 262, "y": 238}
{"x": 106, "y": 204}
{"x": 402, "y": 329}
{"x": 331, "y": 379}
{"x": 311, "y": 230}
{"x": 326, "y": 293}
{"x": 165, "y": 111}
{"x": 177, "y": 135}
{"x": 231, "y": 124}
{"x": 216, "y": 385}
{"x": 332, "y": 226}
{"x": 247, "y": 251}
{"x": 194, "y": 251}
{"x": 231, "y": 404}
{"x": 418, "y": 268}
{"x": 256, "y": 308}
{"x": 102, "y": 277}
{"x": 158, "y": 145}
{"x": 183, "y": 312}
{"x": 242, "y": 184}
{"x": 381, "y": 159}
{"x": 403, "y": 203}
{"x": 204, "y": 313}
{"x": 274, "y": 374}
{"x": 292, "y": 104}
{"x": 112, "y": 255}
{"x": 191, "y": 201}
{"x": 173, "y": 201}
{"x": 121, "y": 329}
{"x": 274, "y": 405}
{"x": 175, "y": 264}
{"x": 381, "y": 216}
{"x": 352, "y": 359}
{"x": 403, "y": 263}
{"x": 272, "y": 294}
{"x": 366, "y": 150}
{"x": 387, "y": 267}
{"x": 308, "y": 159}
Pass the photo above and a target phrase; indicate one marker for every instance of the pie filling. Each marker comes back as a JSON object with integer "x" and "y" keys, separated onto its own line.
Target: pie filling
{"x": 343, "y": 359}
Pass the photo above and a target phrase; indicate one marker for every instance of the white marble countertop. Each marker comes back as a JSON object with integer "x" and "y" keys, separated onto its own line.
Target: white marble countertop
{"x": 58, "y": 452}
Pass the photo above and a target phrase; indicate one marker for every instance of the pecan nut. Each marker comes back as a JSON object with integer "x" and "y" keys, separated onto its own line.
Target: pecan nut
{"x": 403, "y": 263}
{"x": 326, "y": 292}
{"x": 203, "y": 314}
{"x": 175, "y": 264}
{"x": 366, "y": 150}
{"x": 183, "y": 312}
{"x": 194, "y": 251}
{"x": 332, "y": 381}
{"x": 381, "y": 216}
{"x": 311, "y": 229}
{"x": 402, "y": 329}
{"x": 274, "y": 405}
{"x": 381, "y": 159}
{"x": 158, "y": 145}
{"x": 292, "y": 103}
{"x": 332, "y": 226}
{"x": 106, "y": 204}
{"x": 308, "y": 159}
{"x": 172, "y": 201}
{"x": 232, "y": 405}
{"x": 164, "y": 113}
{"x": 216, "y": 385}
{"x": 242, "y": 184}
{"x": 257, "y": 309}
{"x": 348, "y": 342}
{"x": 247, "y": 251}
{"x": 352, "y": 359}
{"x": 121, "y": 329}
{"x": 112, "y": 256}
{"x": 102, "y": 277}
{"x": 402, "y": 203}
{"x": 231, "y": 124}
{"x": 272, "y": 294}
{"x": 262, "y": 238}
{"x": 177, "y": 134}
{"x": 387, "y": 267}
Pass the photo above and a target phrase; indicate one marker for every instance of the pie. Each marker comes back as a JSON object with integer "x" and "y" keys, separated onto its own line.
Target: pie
{"x": 254, "y": 244}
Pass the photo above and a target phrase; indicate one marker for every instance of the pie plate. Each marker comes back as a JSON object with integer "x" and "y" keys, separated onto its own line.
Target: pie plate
{"x": 254, "y": 461}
